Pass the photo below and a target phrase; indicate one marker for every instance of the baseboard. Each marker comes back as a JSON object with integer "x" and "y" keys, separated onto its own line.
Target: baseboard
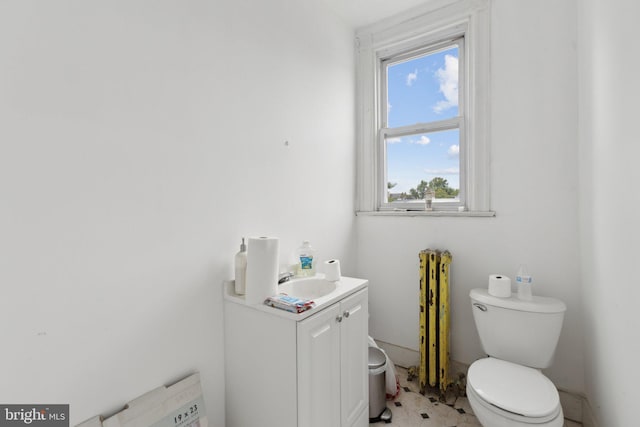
{"x": 588, "y": 420}
{"x": 574, "y": 405}
{"x": 406, "y": 357}
{"x": 401, "y": 356}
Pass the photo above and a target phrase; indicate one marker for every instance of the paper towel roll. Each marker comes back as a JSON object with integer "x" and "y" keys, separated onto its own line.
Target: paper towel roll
{"x": 499, "y": 286}
{"x": 262, "y": 269}
{"x": 332, "y": 270}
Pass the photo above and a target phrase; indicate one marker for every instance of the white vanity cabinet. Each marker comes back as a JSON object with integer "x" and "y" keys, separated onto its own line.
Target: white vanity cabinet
{"x": 332, "y": 365}
{"x": 289, "y": 370}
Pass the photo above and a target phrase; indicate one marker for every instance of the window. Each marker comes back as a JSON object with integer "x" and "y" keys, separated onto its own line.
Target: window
{"x": 422, "y": 110}
{"x": 420, "y": 127}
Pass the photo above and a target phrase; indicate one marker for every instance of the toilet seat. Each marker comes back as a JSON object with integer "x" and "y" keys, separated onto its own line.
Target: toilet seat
{"x": 510, "y": 419}
{"x": 517, "y": 392}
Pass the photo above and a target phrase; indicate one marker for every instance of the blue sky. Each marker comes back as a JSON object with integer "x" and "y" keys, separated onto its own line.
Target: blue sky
{"x": 422, "y": 90}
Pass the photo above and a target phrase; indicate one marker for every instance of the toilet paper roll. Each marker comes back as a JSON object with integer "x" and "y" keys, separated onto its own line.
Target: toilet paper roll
{"x": 332, "y": 270}
{"x": 262, "y": 269}
{"x": 499, "y": 286}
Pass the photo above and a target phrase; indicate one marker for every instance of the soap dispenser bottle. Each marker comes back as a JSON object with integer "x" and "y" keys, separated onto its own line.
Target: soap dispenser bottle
{"x": 241, "y": 269}
{"x": 306, "y": 261}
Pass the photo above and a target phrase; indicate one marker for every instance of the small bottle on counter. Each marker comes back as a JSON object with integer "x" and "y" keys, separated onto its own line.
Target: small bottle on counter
{"x": 306, "y": 261}
{"x": 241, "y": 269}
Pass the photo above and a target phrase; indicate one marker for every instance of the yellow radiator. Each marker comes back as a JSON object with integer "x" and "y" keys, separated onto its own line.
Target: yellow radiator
{"x": 434, "y": 319}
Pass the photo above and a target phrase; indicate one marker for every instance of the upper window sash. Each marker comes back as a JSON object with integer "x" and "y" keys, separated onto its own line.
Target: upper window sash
{"x": 434, "y": 47}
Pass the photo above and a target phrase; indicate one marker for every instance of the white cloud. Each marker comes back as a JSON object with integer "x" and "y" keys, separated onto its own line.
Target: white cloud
{"x": 393, "y": 140}
{"x": 412, "y": 77}
{"x": 448, "y": 79}
{"x": 454, "y": 151}
{"x": 446, "y": 171}
{"x": 422, "y": 141}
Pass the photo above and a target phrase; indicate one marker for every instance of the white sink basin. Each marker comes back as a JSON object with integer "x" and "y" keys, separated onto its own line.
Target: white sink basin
{"x": 307, "y": 287}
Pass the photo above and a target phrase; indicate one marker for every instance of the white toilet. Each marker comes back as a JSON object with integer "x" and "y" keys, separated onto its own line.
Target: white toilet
{"x": 507, "y": 389}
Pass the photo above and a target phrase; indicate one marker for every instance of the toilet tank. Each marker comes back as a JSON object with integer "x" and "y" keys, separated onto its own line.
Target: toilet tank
{"x": 519, "y": 331}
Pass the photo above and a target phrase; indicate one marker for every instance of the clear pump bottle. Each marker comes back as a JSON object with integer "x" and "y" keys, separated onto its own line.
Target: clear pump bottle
{"x": 523, "y": 281}
{"x": 241, "y": 269}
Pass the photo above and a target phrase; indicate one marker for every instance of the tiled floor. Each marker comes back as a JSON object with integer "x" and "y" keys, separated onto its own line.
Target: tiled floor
{"x": 412, "y": 409}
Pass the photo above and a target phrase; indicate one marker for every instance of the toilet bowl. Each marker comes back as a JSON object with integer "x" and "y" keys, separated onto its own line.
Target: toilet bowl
{"x": 505, "y": 394}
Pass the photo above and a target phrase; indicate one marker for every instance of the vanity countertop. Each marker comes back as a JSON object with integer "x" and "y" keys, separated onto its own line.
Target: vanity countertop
{"x": 344, "y": 287}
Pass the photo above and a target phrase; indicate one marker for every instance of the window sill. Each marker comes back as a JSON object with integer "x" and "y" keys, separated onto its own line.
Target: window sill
{"x": 482, "y": 214}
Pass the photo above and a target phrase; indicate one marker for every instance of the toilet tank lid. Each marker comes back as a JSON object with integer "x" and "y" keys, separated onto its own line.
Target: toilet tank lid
{"x": 514, "y": 388}
{"x": 535, "y": 305}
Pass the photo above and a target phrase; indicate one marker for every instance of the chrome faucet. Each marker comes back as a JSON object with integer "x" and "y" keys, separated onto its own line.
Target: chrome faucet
{"x": 284, "y": 277}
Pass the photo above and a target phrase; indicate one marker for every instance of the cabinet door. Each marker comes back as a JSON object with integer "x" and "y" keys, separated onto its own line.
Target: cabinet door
{"x": 319, "y": 369}
{"x": 354, "y": 359}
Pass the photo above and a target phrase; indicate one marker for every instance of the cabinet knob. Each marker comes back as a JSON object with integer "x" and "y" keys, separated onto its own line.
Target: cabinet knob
{"x": 338, "y": 318}
{"x": 346, "y": 314}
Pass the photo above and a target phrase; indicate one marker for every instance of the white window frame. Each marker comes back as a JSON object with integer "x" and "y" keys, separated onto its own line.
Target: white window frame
{"x": 426, "y": 26}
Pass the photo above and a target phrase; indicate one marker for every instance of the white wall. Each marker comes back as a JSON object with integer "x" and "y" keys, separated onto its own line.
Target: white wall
{"x": 609, "y": 202}
{"x": 534, "y": 181}
{"x": 138, "y": 142}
